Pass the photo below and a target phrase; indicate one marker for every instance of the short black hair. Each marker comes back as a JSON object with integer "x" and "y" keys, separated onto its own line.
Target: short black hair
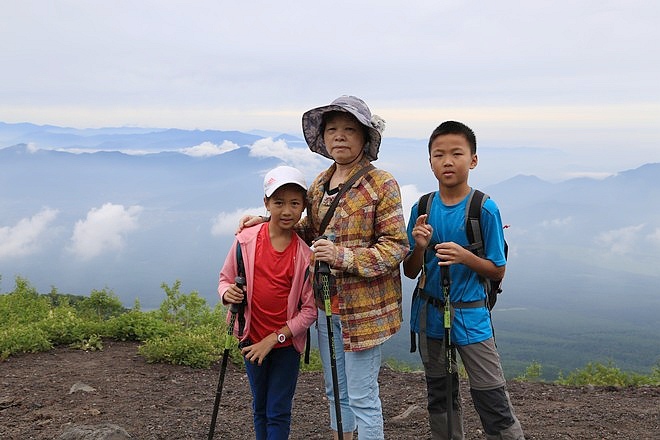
{"x": 454, "y": 127}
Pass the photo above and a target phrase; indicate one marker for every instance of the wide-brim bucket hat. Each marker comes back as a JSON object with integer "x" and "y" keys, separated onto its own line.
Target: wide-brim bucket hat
{"x": 312, "y": 124}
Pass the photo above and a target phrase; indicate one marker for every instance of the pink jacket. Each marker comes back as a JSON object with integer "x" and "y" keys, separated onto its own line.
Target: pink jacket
{"x": 301, "y": 310}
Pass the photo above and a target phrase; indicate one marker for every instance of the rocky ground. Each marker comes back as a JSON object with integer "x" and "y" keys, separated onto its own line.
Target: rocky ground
{"x": 157, "y": 401}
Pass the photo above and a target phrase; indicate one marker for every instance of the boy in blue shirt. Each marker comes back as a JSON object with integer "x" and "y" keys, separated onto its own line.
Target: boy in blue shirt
{"x": 452, "y": 154}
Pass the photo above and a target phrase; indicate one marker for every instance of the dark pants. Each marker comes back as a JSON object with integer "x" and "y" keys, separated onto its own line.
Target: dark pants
{"x": 273, "y": 385}
{"x": 487, "y": 387}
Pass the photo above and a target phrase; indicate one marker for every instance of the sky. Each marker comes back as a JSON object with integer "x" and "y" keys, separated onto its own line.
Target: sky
{"x": 579, "y": 76}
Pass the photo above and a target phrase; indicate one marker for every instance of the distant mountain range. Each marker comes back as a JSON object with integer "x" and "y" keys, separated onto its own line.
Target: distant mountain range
{"x": 117, "y": 138}
{"x": 131, "y": 208}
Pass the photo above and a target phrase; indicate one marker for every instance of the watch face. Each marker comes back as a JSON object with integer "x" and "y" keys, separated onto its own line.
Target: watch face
{"x": 281, "y": 338}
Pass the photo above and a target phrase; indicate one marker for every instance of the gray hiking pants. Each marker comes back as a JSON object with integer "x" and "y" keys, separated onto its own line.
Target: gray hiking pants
{"x": 487, "y": 388}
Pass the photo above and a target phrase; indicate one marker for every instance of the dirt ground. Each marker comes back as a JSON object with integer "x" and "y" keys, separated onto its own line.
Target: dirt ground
{"x": 158, "y": 401}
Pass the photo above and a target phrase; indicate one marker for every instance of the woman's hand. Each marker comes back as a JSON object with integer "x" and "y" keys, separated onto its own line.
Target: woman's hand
{"x": 250, "y": 220}
{"x": 324, "y": 250}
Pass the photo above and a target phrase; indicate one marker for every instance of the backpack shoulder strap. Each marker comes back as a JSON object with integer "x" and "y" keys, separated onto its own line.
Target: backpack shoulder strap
{"x": 423, "y": 207}
{"x": 473, "y": 208}
{"x": 424, "y": 203}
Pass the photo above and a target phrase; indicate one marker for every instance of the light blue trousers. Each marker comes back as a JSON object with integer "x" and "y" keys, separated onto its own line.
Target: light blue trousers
{"x": 357, "y": 374}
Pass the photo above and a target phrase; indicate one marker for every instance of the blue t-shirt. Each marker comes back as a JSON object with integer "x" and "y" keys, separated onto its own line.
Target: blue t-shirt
{"x": 470, "y": 325}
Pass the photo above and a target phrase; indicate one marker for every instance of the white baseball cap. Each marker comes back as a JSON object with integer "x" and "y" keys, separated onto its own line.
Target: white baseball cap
{"x": 281, "y": 176}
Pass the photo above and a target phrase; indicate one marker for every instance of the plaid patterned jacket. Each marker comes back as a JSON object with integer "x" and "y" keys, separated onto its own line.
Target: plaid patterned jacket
{"x": 372, "y": 241}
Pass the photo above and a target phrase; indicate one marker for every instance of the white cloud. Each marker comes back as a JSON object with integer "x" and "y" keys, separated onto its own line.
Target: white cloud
{"x": 597, "y": 175}
{"x": 226, "y": 223}
{"x": 557, "y": 222}
{"x": 301, "y": 158}
{"x": 103, "y": 230}
{"x": 207, "y": 149}
{"x": 621, "y": 241}
{"x": 409, "y": 195}
{"x": 24, "y": 238}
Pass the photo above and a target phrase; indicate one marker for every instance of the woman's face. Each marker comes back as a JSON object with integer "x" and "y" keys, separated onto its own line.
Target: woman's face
{"x": 343, "y": 137}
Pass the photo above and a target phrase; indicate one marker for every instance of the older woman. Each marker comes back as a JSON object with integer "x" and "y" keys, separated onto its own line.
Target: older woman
{"x": 368, "y": 242}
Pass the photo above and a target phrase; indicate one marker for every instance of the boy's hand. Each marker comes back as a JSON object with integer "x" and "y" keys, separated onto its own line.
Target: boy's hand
{"x": 233, "y": 295}
{"x": 450, "y": 253}
{"x": 422, "y": 232}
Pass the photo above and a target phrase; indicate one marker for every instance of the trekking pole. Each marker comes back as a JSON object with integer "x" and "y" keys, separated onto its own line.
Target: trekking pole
{"x": 446, "y": 281}
{"x": 323, "y": 271}
{"x": 234, "y": 309}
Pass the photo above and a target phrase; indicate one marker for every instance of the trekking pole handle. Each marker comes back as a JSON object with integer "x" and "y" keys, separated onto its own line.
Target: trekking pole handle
{"x": 240, "y": 283}
{"x": 322, "y": 266}
{"x": 444, "y": 275}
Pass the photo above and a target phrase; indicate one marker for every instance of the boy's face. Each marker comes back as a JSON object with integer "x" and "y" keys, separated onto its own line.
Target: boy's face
{"x": 343, "y": 137}
{"x": 286, "y": 205}
{"x": 451, "y": 159}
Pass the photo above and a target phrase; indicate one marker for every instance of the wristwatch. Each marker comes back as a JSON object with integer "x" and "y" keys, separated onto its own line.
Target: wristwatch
{"x": 281, "y": 337}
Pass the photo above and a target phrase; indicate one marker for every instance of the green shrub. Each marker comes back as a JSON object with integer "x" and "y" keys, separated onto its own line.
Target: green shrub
{"x": 100, "y": 305}
{"x": 185, "y": 310}
{"x": 654, "y": 378}
{"x": 23, "y": 305}
{"x": 22, "y": 338}
{"x": 400, "y": 366}
{"x": 314, "y": 361}
{"x": 93, "y": 343}
{"x": 198, "y": 347}
{"x": 63, "y": 326}
{"x": 607, "y": 375}
{"x": 57, "y": 299}
{"x": 533, "y": 373}
{"x": 135, "y": 325}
